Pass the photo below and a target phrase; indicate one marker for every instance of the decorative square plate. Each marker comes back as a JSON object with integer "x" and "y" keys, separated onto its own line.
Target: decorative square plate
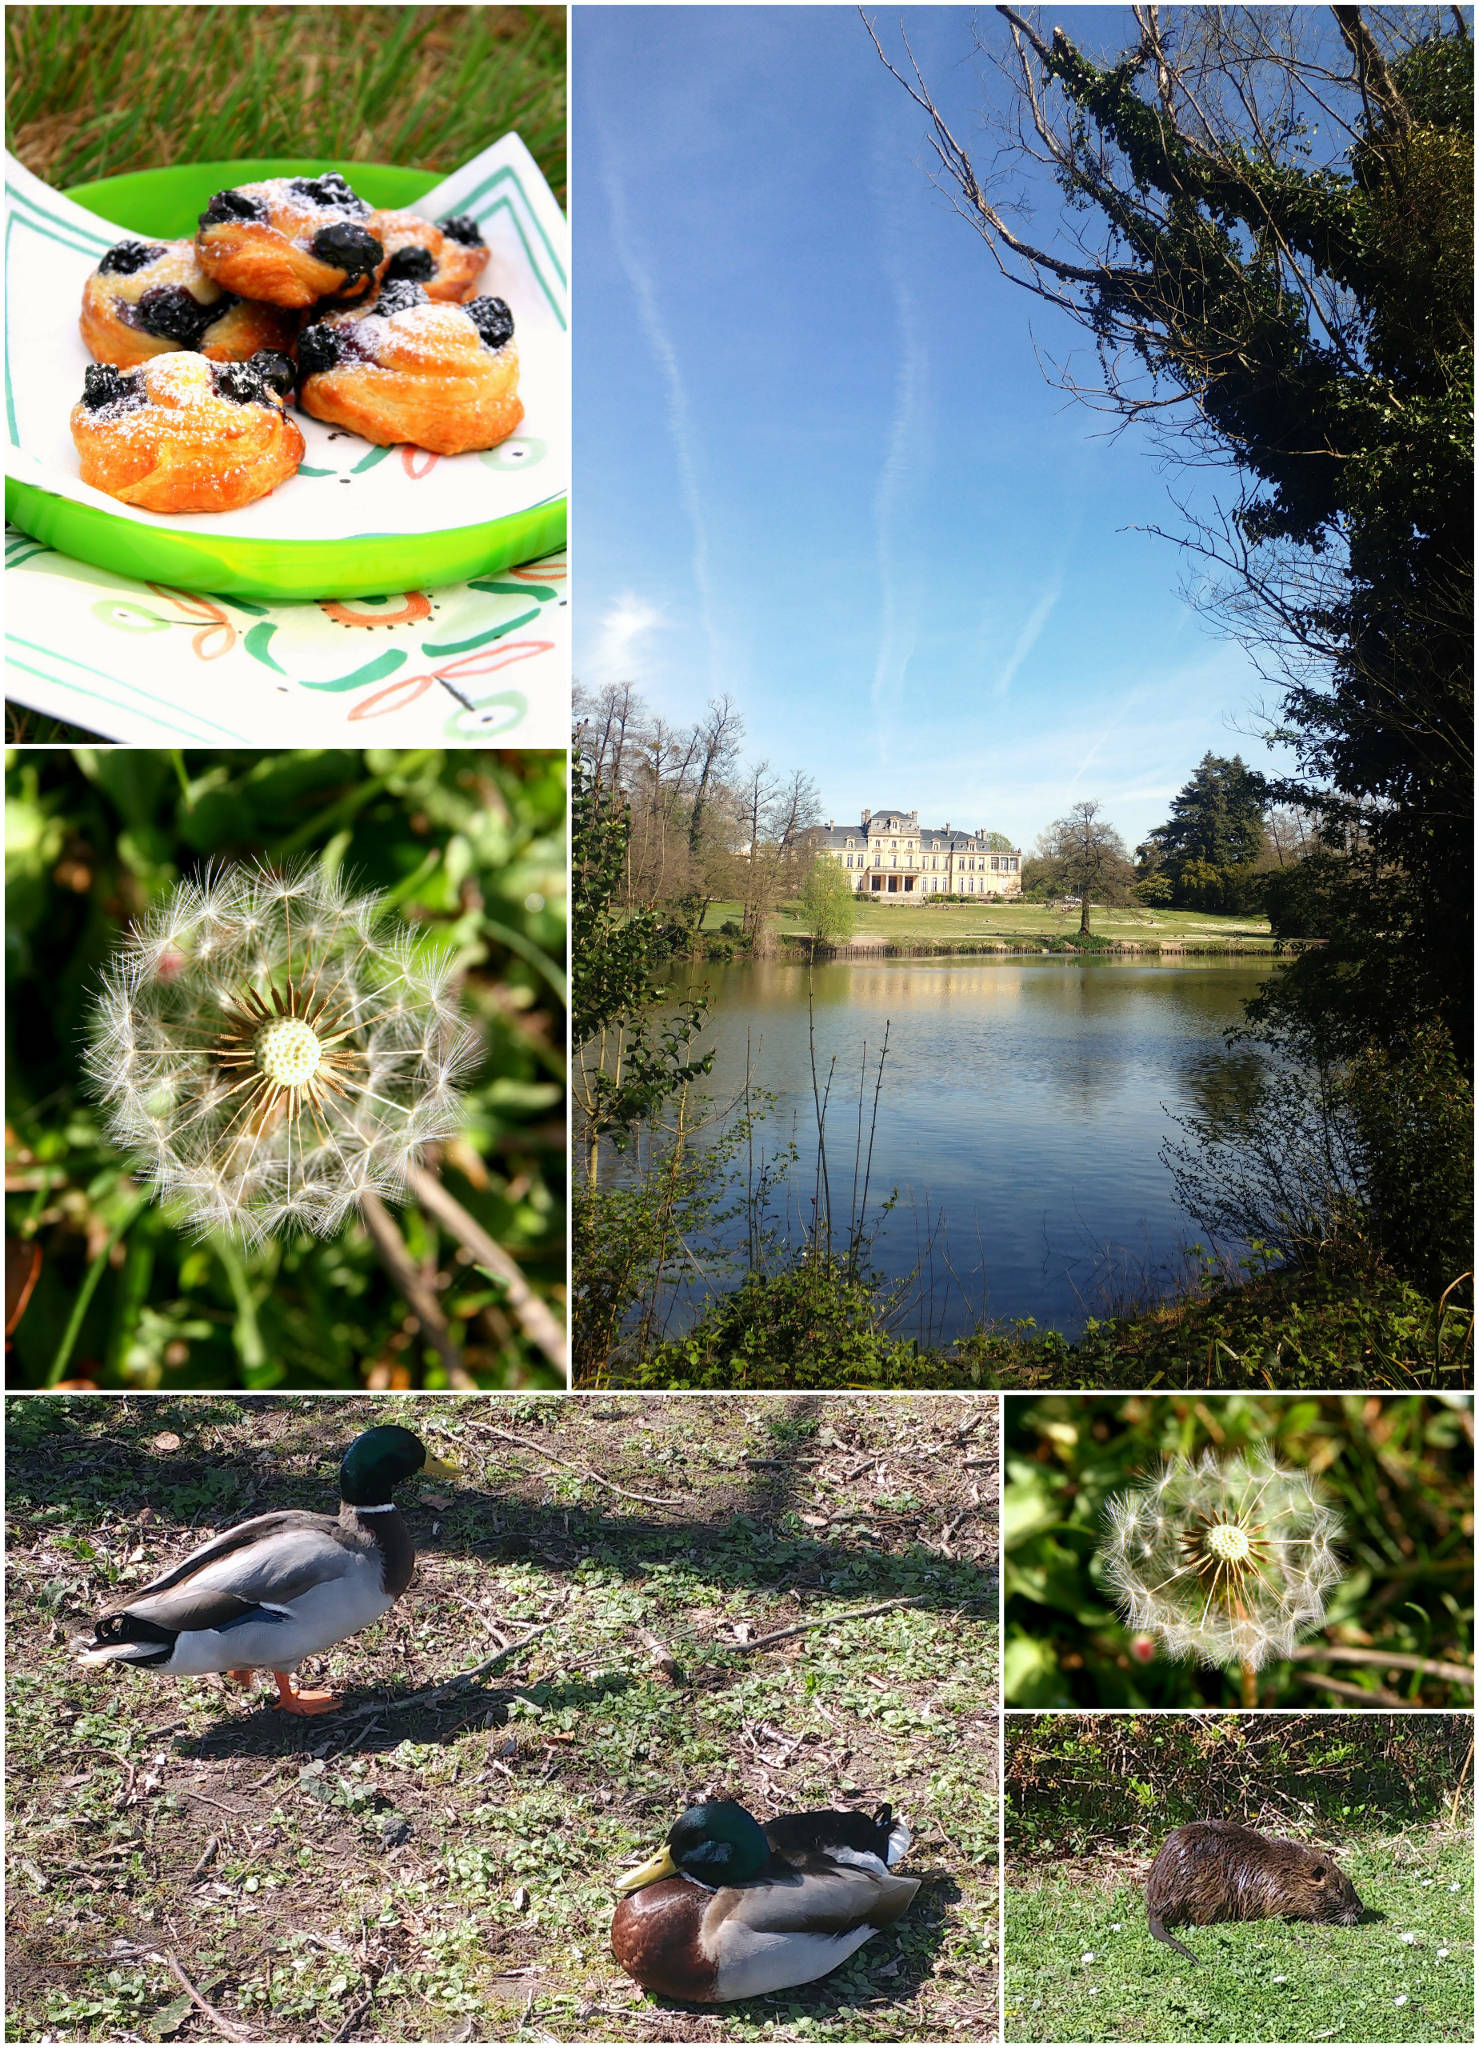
{"x": 356, "y": 521}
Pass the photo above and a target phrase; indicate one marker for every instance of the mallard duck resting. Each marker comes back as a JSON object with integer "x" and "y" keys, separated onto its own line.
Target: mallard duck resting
{"x": 280, "y": 1587}
{"x": 731, "y": 1909}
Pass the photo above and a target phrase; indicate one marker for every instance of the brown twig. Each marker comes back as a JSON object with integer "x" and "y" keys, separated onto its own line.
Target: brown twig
{"x": 1391, "y": 1660}
{"x": 451, "y": 1685}
{"x": 217, "y": 2020}
{"x": 1368, "y": 1695}
{"x": 651, "y": 1500}
{"x": 534, "y": 1318}
{"x": 799, "y": 1628}
{"x": 391, "y": 1247}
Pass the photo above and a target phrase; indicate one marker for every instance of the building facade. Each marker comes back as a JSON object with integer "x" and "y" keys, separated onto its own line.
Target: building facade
{"x": 891, "y": 856}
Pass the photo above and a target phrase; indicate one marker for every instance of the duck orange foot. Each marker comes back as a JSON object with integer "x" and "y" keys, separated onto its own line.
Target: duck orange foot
{"x": 302, "y": 1702}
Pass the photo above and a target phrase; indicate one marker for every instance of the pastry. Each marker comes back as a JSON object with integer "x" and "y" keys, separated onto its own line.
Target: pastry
{"x": 444, "y": 259}
{"x": 407, "y": 369}
{"x": 147, "y": 298}
{"x": 290, "y": 241}
{"x": 182, "y": 434}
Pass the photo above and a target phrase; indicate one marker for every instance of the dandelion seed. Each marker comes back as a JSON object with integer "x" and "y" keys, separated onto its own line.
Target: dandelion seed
{"x": 1227, "y": 1563}
{"x": 270, "y": 1048}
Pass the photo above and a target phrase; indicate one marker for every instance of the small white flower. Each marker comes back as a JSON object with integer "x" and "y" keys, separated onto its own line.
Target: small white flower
{"x": 1227, "y": 1563}
{"x": 1410, "y": 1939}
{"x": 1428, "y": 1883}
{"x": 1455, "y": 1887}
{"x": 270, "y": 1048}
{"x": 1281, "y": 1980}
{"x": 1088, "y": 1956}
{"x": 1400, "y": 1999}
{"x": 1116, "y": 1926}
{"x": 1444, "y": 1954}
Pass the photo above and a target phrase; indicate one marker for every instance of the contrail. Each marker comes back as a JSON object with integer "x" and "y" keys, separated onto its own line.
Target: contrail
{"x": 679, "y": 410}
{"x": 910, "y": 384}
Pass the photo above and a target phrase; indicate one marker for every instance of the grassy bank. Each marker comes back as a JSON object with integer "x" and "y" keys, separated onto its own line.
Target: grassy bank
{"x": 805, "y": 1328}
{"x": 436, "y": 1860}
{"x": 945, "y": 926}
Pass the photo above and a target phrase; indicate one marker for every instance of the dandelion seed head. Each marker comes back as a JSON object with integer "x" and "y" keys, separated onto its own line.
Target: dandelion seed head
{"x": 270, "y": 1047}
{"x": 1227, "y": 1563}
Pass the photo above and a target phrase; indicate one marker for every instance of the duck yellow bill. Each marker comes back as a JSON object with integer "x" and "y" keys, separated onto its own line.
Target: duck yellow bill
{"x": 660, "y": 1866}
{"x": 438, "y": 1468}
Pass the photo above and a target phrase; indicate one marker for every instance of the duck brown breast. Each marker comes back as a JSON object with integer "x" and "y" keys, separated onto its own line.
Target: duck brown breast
{"x": 1215, "y": 1870}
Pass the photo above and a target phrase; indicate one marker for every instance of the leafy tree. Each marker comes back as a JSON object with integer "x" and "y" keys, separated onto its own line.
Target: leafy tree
{"x": 1282, "y": 287}
{"x": 1209, "y": 848}
{"x": 1089, "y": 857}
{"x": 623, "y": 1073}
{"x": 828, "y": 904}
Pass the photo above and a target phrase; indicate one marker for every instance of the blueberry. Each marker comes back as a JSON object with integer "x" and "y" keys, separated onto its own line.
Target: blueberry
{"x": 124, "y": 258}
{"x": 330, "y": 190}
{"x": 232, "y": 206}
{"x": 493, "y": 321}
{"x": 461, "y": 227}
{"x": 241, "y": 381}
{"x": 275, "y": 371}
{"x": 347, "y": 247}
{"x": 318, "y": 349}
{"x": 413, "y": 262}
{"x": 170, "y": 312}
{"x": 399, "y": 297}
{"x": 103, "y": 385}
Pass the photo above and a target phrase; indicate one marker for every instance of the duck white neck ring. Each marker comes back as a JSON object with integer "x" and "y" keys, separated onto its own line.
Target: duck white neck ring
{"x": 388, "y": 1509}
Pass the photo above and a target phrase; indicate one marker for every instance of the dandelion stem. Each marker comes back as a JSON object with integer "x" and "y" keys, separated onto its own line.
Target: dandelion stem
{"x": 531, "y": 1314}
{"x": 249, "y": 1346}
{"x": 1249, "y": 1679}
{"x": 88, "y": 1288}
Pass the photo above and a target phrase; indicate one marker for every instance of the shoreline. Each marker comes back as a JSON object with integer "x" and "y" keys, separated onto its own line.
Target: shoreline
{"x": 799, "y": 949}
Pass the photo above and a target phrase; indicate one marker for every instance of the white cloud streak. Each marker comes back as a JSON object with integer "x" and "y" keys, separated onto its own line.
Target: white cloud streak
{"x": 898, "y": 621}
{"x": 677, "y": 406}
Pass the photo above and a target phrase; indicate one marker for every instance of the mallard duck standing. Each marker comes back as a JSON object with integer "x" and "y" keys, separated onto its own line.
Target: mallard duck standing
{"x": 730, "y": 1909}
{"x": 279, "y": 1588}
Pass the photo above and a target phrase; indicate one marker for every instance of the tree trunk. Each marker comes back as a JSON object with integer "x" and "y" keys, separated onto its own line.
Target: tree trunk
{"x": 1083, "y": 922}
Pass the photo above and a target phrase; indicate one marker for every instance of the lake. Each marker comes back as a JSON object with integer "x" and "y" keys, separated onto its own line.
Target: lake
{"x": 1024, "y": 1103}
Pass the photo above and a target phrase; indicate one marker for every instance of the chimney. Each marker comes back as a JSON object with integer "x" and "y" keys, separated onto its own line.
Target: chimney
{"x": 866, "y": 816}
{"x": 947, "y": 824}
{"x": 914, "y": 819}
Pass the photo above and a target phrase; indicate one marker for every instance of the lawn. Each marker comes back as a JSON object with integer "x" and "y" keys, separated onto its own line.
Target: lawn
{"x": 1082, "y": 1965}
{"x": 937, "y": 923}
{"x": 434, "y": 1868}
{"x": 1091, "y": 1799}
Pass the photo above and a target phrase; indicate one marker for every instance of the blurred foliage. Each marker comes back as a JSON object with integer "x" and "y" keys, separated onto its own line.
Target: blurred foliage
{"x": 469, "y": 842}
{"x": 1122, "y": 1782}
{"x": 93, "y": 92}
{"x": 1400, "y": 1471}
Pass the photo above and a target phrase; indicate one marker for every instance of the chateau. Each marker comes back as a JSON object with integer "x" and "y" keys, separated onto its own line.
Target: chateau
{"x": 889, "y": 854}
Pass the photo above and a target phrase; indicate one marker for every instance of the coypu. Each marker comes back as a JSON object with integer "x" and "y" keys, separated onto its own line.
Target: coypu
{"x": 1215, "y": 1870}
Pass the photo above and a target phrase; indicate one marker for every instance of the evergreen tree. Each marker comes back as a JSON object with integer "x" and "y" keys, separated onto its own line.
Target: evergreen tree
{"x": 1210, "y": 846}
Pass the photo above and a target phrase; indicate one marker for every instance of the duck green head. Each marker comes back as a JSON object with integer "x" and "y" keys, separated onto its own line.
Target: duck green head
{"x": 377, "y": 1462}
{"x": 717, "y": 1843}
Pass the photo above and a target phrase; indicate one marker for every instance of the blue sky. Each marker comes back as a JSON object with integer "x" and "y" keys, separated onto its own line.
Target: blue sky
{"x": 818, "y": 464}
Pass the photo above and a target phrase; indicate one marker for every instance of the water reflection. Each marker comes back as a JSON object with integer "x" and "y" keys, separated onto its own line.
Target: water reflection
{"x": 1024, "y": 1103}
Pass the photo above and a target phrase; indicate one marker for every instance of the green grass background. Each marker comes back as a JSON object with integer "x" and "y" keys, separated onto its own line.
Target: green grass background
{"x": 92, "y": 92}
{"x": 1400, "y": 1470}
{"x": 1090, "y": 1800}
{"x": 470, "y": 844}
{"x": 421, "y": 1868}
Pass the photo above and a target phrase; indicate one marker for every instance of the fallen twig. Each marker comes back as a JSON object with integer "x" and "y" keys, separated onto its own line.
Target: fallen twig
{"x": 651, "y": 1500}
{"x": 1366, "y": 1694}
{"x": 534, "y": 1318}
{"x": 217, "y": 2020}
{"x": 799, "y": 1628}
{"x": 438, "y": 1692}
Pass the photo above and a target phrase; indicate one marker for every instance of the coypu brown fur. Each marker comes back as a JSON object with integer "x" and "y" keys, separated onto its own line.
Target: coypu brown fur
{"x": 1215, "y": 1870}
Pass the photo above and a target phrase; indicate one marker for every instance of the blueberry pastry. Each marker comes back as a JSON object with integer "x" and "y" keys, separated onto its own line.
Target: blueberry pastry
{"x": 148, "y": 298}
{"x": 443, "y": 377}
{"x": 444, "y": 260}
{"x": 183, "y": 434}
{"x": 290, "y": 241}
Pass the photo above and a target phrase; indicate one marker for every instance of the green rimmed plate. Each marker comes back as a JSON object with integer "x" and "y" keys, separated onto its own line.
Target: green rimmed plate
{"x": 356, "y": 521}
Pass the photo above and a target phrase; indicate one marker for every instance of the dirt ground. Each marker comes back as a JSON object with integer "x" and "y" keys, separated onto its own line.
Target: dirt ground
{"x": 580, "y": 1656}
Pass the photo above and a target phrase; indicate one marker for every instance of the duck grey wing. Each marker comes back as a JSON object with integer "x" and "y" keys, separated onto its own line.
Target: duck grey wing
{"x": 830, "y": 1899}
{"x": 267, "y": 1562}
